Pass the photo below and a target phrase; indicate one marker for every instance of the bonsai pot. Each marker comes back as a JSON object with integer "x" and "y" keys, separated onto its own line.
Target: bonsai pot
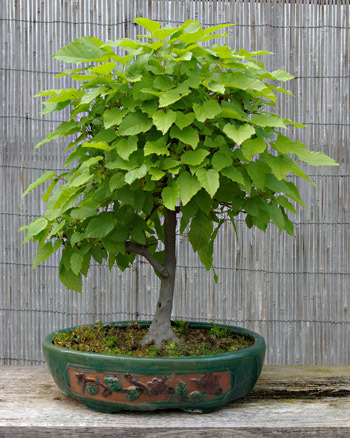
{"x": 196, "y": 384}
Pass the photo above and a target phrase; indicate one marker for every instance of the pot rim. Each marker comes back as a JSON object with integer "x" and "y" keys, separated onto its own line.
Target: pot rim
{"x": 259, "y": 344}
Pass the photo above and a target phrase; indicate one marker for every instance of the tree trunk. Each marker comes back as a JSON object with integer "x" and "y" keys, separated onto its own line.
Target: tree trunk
{"x": 160, "y": 329}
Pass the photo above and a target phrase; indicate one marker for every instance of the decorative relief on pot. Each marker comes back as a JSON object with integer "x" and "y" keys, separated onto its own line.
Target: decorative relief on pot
{"x": 131, "y": 389}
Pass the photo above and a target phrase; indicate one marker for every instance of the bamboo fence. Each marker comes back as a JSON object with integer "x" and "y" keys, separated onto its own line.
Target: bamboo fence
{"x": 294, "y": 291}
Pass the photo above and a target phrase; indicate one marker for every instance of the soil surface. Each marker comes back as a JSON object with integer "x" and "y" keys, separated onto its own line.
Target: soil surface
{"x": 116, "y": 340}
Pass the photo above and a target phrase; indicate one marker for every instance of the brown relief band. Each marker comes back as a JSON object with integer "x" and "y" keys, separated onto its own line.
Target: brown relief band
{"x": 137, "y": 389}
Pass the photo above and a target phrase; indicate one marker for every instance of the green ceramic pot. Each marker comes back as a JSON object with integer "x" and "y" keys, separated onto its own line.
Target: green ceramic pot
{"x": 116, "y": 383}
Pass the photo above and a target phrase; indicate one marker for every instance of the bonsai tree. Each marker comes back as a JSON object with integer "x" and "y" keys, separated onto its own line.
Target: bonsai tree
{"x": 170, "y": 134}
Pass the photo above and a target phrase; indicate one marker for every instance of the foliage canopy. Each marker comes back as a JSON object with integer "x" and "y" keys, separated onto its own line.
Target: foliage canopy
{"x": 163, "y": 123}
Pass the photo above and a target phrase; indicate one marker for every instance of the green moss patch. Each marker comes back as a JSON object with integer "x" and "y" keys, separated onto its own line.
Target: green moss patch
{"x": 126, "y": 340}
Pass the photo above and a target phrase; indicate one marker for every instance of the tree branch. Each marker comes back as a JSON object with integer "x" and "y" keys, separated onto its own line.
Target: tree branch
{"x": 141, "y": 250}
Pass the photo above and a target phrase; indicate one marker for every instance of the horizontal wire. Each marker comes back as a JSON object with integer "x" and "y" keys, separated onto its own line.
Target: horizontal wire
{"x": 149, "y": 315}
{"x": 32, "y": 216}
{"x": 12, "y": 166}
{"x": 30, "y": 361}
{"x": 272, "y": 26}
{"x": 59, "y": 72}
{"x": 60, "y": 121}
{"x": 29, "y": 118}
{"x": 218, "y": 268}
{"x": 60, "y": 312}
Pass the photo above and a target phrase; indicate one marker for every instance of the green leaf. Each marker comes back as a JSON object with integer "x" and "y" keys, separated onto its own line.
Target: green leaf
{"x": 283, "y": 202}
{"x": 98, "y": 253}
{"x": 63, "y": 199}
{"x": 35, "y": 228}
{"x": 83, "y": 178}
{"x": 126, "y": 146}
{"x": 279, "y": 165}
{"x": 214, "y": 86}
{"x": 232, "y": 110}
{"x": 43, "y": 178}
{"x": 103, "y": 146}
{"x": 204, "y": 201}
{"x": 183, "y": 120}
{"x": 172, "y": 96}
{"x": 50, "y": 107}
{"x": 158, "y": 147}
{"x": 76, "y": 262}
{"x": 69, "y": 279}
{"x": 148, "y": 24}
{"x": 288, "y": 225}
{"x": 267, "y": 121}
{"x": 296, "y": 124}
{"x": 281, "y": 75}
{"x": 285, "y": 145}
{"x": 48, "y": 192}
{"x": 90, "y": 162}
{"x": 200, "y": 231}
{"x": 135, "y": 174}
{"x": 119, "y": 163}
{"x": 156, "y": 174}
{"x": 209, "y": 180}
{"x": 82, "y": 49}
{"x": 46, "y": 251}
{"x": 134, "y": 123}
{"x": 114, "y": 116}
{"x": 163, "y": 120}
{"x": 123, "y": 59}
{"x": 186, "y": 56}
{"x": 163, "y": 83}
{"x": 188, "y": 211}
{"x": 254, "y": 53}
{"x": 252, "y": 206}
{"x": 296, "y": 169}
{"x": 76, "y": 237}
{"x": 162, "y": 34}
{"x": 101, "y": 225}
{"x": 56, "y": 230}
{"x": 106, "y": 135}
{"x": 221, "y": 159}
{"x": 112, "y": 246}
{"x": 207, "y": 110}
{"x": 194, "y": 158}
{"x": 240, "y": 134}
{"x": 212, "y": 29}
{"x": 187, "y": 135}
{"x": 138, "y": 235}
{"x": 281, "y": 186}
{"x": 319, "y": 159}
{"x": 170, "y": 195}
{"x": 235, "y": 174}
{"x": 91, "y": 95}
{"x": 188, "y": 186}
{"x": 253, "y": 147}
{"x": 276, "y": 216}
{"x": 257, "y": 171}
{"x": 82, "y": 213}
{"x": 49, "y": 137}
{"x": 116, "y": 181}
{"x": 169, "y": 163}
{"x": 241, "y": 81}
{"x": 104, "y": 69}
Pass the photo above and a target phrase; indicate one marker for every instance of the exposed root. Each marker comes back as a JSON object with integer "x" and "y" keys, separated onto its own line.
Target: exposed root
{"x": 159, "y": 333}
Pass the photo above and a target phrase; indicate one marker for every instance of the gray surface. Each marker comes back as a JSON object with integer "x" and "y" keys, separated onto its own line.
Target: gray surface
{"x": 295, "y": 292}
{"x": 31, "y": 404}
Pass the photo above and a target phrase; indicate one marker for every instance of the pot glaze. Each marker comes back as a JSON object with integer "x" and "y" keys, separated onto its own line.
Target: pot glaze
{"x": 194, "y": 384}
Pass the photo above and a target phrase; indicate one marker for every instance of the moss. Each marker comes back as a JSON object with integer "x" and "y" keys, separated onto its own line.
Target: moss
{"x": 116, "y": 340}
